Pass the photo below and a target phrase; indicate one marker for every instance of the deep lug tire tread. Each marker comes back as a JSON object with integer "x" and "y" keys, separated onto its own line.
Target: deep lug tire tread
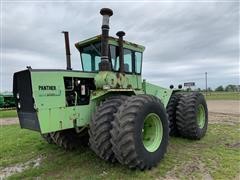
{"x": 171, "y": 111}
{"x": 100, "y": 126}
{"x": 66, "y": 139}
{"x": 186, "y": 119}
{"x": 123, "y": 140}
{"x": 47, "y": 137}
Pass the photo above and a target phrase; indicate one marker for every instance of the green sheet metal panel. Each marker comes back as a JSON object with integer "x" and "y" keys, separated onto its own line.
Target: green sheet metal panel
{"x": 117, "y": 80}
{"x": 53, "y": 115}
{"x": 113, "y": 41}
{"x": 55, "y": 119}
{"x": 162, "y": 93}
{"x": 88, "y": 41}
{"x": 127, "y": 45}
{"x": 45, "y": 99}
{"x": 135, "y": 81}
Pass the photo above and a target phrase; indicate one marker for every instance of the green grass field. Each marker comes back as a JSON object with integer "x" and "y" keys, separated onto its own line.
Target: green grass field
{"x": 8, "y": 113}
{"x": 222, "y": 96}
{"x": 215, "y": 155}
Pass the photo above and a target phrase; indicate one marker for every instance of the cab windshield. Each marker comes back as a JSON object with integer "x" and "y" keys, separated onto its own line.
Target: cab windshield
{"x": 91, "y": 57}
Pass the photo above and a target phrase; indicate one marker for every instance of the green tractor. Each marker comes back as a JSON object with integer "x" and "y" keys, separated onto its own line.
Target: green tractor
{"x": 107, "y": 105}
{"x": 6, "y": 100}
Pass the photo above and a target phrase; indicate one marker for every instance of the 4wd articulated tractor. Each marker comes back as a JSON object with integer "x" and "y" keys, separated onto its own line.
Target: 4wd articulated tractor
{"x": 122, "y": 117}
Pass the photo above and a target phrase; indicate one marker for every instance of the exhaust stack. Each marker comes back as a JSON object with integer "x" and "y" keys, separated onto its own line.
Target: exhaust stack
{"x": 120, "y": 35}
{"x": 105, "y": 65}
{"x": 68, "y": 54}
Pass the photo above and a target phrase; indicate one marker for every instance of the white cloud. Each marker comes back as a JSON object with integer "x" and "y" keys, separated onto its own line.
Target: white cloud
{"x": 183, "y": 40}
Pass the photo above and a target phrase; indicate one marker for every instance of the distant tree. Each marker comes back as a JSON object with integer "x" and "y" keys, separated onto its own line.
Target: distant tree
{"x": 209, "y": 89}
{"x": 238, "y": 88}
{"x": 199, "y": 89}
{"x": 231, "y": 88}
{"x": 219, "y": 88}
{"x": 189, "y": 89}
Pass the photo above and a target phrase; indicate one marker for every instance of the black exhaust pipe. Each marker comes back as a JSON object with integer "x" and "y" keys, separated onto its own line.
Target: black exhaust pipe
{"x": 105, "y": 65}
{"x": 68, "y": 54}
{"x": 120, "y": 35}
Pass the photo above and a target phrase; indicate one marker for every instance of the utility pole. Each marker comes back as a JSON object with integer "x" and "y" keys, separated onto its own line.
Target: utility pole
{"x": 206, "y": 82}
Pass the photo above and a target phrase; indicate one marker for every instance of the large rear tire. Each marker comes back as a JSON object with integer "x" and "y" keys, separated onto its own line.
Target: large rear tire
{"x": 100, "y": 126}
{"x": 192, "y": 116}
{"x": 171, "y": 111}
{"x": 140, "y": 132}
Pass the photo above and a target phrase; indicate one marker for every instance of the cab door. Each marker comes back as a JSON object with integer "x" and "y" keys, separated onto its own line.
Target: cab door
{"x": 137, "y": 59}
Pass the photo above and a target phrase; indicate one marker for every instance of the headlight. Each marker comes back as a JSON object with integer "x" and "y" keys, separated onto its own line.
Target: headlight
{"x": 19, "y": 105}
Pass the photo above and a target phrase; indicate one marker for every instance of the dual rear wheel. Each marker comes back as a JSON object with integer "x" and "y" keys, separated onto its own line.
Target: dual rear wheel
{"x": 192, "y": 116}
{"x": 188, "y": 115}
{"x": 135, "y": 130}
{"x": 132, "y": 130}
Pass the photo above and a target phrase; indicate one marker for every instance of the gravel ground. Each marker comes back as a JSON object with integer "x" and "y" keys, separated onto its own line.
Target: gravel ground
{"x": 8, "y": 121}
{"x": 224, "y": 106}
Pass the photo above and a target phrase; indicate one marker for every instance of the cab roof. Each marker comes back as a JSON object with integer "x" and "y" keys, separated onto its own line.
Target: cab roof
{"x": 112, "y": 41}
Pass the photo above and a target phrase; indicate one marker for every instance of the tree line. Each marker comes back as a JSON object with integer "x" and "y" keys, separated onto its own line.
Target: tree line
{"x": 229, "y": 88}
{"x": 221, "y": 88}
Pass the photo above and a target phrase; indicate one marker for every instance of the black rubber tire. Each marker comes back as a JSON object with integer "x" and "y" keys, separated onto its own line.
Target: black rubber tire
{"x": 66, "y": 139}
{"x": 84, "y": 138}
{"x": 187, "y": 116}
{"x": 100, "y": 126}
{"x": 47, "y": 137}
{"x": 171, "y": 111}
{"x": 127, "y": 132}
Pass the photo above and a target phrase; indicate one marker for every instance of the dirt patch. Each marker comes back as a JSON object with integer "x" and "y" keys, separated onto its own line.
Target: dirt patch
{"x": 234, "y": 145}
{"x": 8, "y": 121}
{"x": 237, "y": 177}
{"x": 221, "y": 118}
{"x": 18, "y": 168}
{"x": 189, "y": 169}
{"x": 224, "y": 106}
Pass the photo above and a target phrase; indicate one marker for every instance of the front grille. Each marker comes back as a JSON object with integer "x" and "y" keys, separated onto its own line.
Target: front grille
{"x": 22, "y": 91}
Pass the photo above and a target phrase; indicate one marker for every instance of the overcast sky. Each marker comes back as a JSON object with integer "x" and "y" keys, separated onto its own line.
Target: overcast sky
{"x": 183, "y": 40}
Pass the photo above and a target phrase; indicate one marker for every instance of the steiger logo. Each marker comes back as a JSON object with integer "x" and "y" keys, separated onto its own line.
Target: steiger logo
{"x": 44, "y": 88}
{"x": 48, "y": 91}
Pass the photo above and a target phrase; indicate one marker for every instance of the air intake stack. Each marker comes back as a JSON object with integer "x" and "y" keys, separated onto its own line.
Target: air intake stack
{"x": 105, "y": 65}
{"x": 67, "y": 48}
{"x": 120, "y": 35}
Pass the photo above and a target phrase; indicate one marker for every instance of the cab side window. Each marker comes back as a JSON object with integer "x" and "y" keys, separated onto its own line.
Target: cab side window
{"x": 114, "y": 57}
{"x": 91, "y": 57}
{"x": 127, "y": 61}
{"x": 86, "y": 61}
{"x": 132, "y": 60}
{"x": 138, "y": 62}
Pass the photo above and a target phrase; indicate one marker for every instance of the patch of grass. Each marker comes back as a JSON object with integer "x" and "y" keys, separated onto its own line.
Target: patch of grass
{"x": 8, "y": 113}
{"x": 182, "y": 160}
{"x": 222, "y": 96}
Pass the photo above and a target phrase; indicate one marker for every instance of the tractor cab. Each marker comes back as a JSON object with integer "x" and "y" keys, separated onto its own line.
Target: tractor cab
{"x": 90, "y": 53}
